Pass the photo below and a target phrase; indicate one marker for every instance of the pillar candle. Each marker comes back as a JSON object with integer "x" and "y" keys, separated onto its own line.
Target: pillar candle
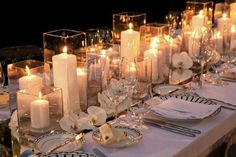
{"x": 132, "y": 71}
{"x": 198, "y": 21}
{"x": 82, "y": 84}
{"x": 31, "y": 83}
{"x": 65, "y": 77}
{"x": 233, "y": 12}
{"x": 233, "y": 38}
{"x": 39, "y": 113}
{"x": 223, "y": 24}
{"x": 153, "y": 55}
{"x": 130, "y": 42}
{"x": 218, "y": 38}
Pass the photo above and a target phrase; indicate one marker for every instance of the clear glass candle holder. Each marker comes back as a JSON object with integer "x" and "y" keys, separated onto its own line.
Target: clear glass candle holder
{"x": 54, "y": 42}
{"x": 98, "y": 36}
{"x": 94, "y": 77}
{"x": 29, "y": 75}
{"x": 200, "y": 8}
{"x": 155, "y": 47}
{"x": 233, "y": 12}
{"x": 220, "y": 9}
{"x": 38, "y": 113}
{"x": 122, "y": 20}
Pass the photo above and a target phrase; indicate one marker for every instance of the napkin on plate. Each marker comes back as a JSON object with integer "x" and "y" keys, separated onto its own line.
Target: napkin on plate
{"x": 181, "y": 109}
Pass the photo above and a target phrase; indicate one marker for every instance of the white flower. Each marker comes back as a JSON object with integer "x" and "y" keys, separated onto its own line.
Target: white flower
{"x": 182, "y": 60}
{"x": 97, "y": 115}
{"x": 180, "y": 75}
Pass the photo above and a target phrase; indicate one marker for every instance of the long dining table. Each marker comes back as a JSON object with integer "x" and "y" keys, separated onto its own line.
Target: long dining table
{"x": 157, "y": 142}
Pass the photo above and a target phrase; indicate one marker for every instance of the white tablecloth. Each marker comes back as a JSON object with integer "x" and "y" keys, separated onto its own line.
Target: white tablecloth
{"x": 161, "y": 143}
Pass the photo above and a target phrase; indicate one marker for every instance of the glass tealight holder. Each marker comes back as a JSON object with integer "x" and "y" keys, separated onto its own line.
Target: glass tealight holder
{"x": 39, "y": 113}
{"x": 200, "y": 8}
{"x": 122, "y": 20}
{"x": 30, "y": 75}
{"x": 54, "y": 42}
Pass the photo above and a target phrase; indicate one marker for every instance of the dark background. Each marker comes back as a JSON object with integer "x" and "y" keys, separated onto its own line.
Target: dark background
{"x": 23, "y": 22}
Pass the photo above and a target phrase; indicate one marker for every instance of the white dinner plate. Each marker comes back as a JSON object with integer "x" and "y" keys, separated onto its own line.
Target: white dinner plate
{"x": 134, "y": 136}
{"x": 49, "y": 141}
{"x": 191, "y": 98}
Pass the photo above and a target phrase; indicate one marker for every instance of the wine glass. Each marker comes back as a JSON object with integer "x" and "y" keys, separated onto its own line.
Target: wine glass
{"x": 201, "y": 49}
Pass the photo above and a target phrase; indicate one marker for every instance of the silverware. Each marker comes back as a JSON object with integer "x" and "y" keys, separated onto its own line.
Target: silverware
{"x": 75, "y": 138}
{"x": 99, "y": 152}
{"x": 172, "y": 127}
{"x": 224, "y": 104}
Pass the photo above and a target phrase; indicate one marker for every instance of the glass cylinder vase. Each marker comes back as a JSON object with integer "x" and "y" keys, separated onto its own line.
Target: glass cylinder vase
{"x": 122, "y": 20}
{"x": 29, "y": 75}
{"x": 38, "y": 113}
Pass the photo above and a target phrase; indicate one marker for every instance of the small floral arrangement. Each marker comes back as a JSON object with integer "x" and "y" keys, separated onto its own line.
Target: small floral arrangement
{"x": 181, "y": 63}
{"x": 182, "y": 60}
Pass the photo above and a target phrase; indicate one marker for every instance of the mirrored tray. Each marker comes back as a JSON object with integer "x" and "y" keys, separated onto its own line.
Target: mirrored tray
{"x": 190, "y": 98}
{"x": 134, "y": 136}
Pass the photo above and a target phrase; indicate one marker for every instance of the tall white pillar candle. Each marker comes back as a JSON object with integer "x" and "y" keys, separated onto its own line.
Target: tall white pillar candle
{"x": 65, "y": 77}
{"x": 130, "y": 42}
{"x": 233, "y": 38}
{"x": 82, "y": 84}
{"x": 223, "y": 24}
{"x": 39, "y": 113}
{"x": 153, "y": 55}
{"x": 31, "y": 83}
{"x": 198, "y": 21}
{"x": 218, "y": 38}
{"x": 233, "y": 12}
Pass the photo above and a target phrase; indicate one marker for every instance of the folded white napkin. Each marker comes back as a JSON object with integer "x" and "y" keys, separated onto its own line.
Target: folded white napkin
{"x": 181, "y": 109}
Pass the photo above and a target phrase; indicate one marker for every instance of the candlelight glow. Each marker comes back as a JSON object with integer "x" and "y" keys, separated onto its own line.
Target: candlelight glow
{"x": 132, "y": 67}
{"x": 64, "y": 49}
{"x": 233, "y": 29}
{"x": 154, "y": 42}
{"x": 201, "y": 13}
{"x": 27, "y": 70}
{"x": 130, "y": 25}
{"x": 40, "y": 95}
{"x": 224, "y": 15}
{"x": 103, "y": 53}
{"x": 218, "y": 35}
{"x": 80, "y": 71}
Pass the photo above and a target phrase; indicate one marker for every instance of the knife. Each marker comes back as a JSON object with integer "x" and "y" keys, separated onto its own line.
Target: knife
{"x": 168, "y": 128}
{"x": 179, "y": 127}
{"x": 99, "y": 152}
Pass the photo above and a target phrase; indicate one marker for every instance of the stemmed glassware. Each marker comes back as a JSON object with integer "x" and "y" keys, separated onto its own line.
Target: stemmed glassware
{"x": 2, "y": 81}
{"x": 202, "y": 49}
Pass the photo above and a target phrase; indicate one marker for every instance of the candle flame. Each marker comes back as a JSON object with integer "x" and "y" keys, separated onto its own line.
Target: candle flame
{"x": 218, "y": 35}
{"x": 201, "y": 13}
{"x": 224, "y": 15}
{"x": 130, "y": 25}
{"x": 64, "y": 49}
{"x": 233, "y": 29}
{"x": 80, "y": 71}
{"x": 27, "y": 70}
{"x": 40, "y": 95}
{"x": 154, "y": 42}
{"x": 103, "y": 53}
